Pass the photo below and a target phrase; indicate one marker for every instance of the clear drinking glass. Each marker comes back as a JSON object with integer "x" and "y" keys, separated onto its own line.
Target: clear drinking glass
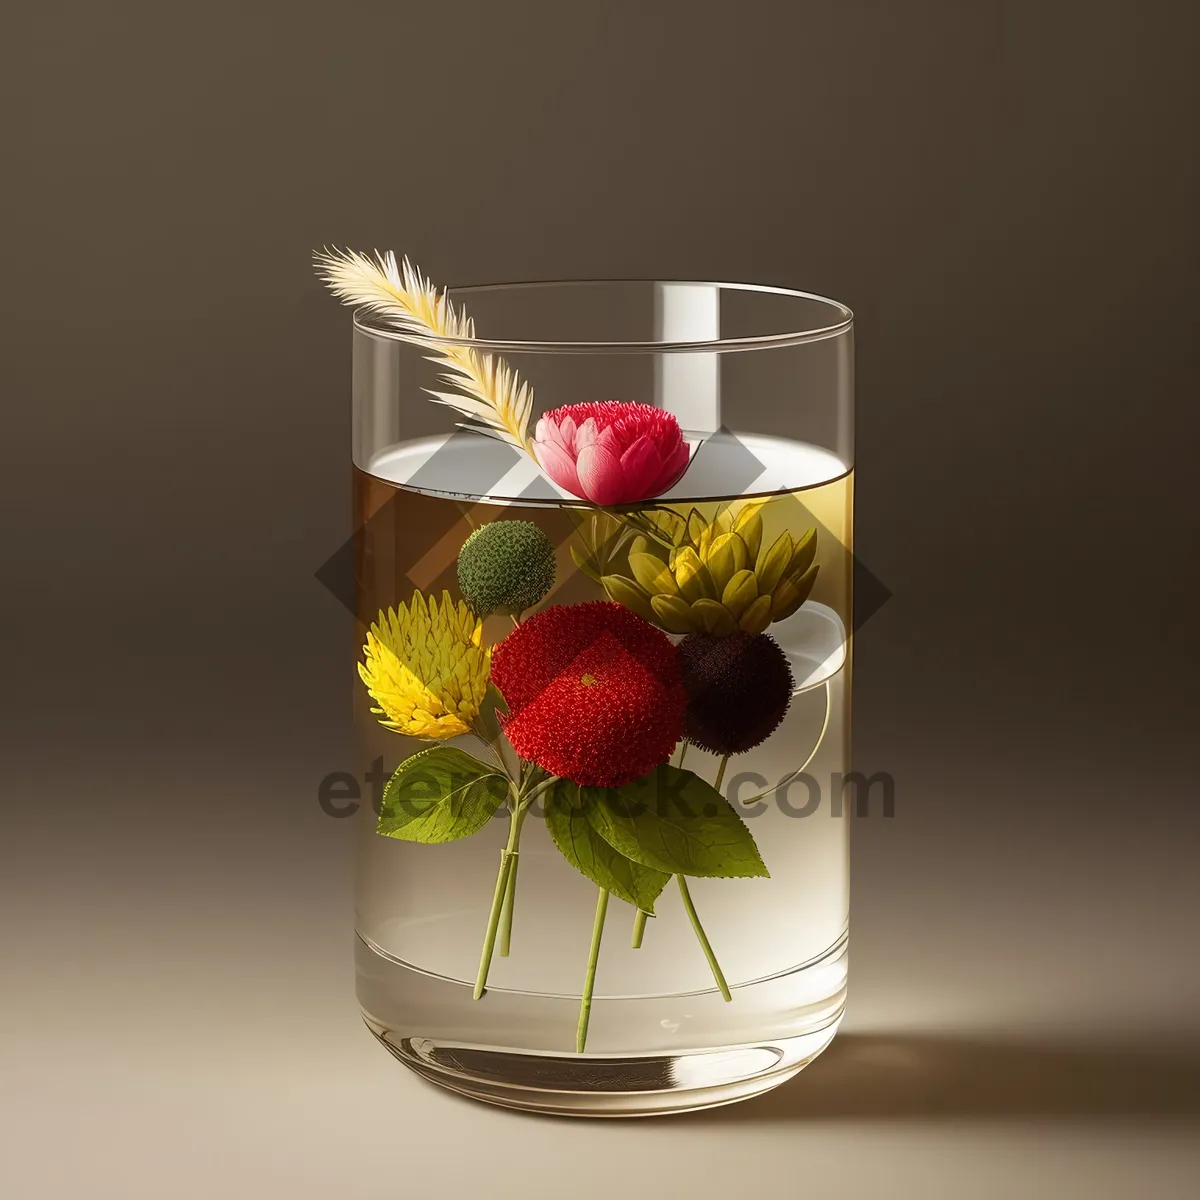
{"x": 734, "y": 984}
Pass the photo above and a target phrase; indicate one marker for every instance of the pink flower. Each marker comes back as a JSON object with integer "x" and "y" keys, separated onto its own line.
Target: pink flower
{"x": 611, "y": 452}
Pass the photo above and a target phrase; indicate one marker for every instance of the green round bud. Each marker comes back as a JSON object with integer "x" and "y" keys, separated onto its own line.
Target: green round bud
{"x": 505, "y": 567}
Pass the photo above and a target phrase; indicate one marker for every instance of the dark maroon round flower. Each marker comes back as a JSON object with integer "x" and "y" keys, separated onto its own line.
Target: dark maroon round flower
{"x": 593, "y": 692}
{"x": 739, "y": 688}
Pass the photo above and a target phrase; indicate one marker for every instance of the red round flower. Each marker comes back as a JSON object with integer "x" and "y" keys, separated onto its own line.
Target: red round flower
{"x": 594, "y": 693}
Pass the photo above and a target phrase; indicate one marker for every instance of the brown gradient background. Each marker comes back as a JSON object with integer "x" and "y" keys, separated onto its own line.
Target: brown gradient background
{"x": 1005, "y": 193}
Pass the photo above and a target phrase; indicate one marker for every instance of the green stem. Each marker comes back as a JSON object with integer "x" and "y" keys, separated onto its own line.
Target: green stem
{"x": 589, "y": 983}
{"x": 514, "y": 858}
{"x": 639, "y": 928}
{"x": 682, "y": 751}
{"x": 720, "y": 772}
{"x": 702, "y": 938}
{"x": 646, "y": 528}
{"x": 540, "y": 789}
{"x": 507, "y": 860}
{"x": 510, "y": 895}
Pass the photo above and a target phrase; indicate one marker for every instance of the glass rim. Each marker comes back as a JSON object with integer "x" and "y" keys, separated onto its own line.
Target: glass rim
{"x": 373, "y": 325}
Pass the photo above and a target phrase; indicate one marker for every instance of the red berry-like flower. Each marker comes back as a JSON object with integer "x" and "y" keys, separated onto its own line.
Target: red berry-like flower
{"x": 594, "y": 693}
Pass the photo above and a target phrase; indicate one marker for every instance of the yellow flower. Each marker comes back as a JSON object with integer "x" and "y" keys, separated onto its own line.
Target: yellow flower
{"x": 718, "y": 576}
{"x": 426, "y": 668}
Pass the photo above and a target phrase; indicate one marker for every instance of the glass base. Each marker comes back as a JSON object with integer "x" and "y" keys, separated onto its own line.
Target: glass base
{"x": 609, "y": 1086}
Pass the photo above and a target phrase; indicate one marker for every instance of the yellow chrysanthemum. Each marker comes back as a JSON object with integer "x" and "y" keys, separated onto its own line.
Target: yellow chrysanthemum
{"x": 718, "y": 576}
{"x": 426, "y": 668}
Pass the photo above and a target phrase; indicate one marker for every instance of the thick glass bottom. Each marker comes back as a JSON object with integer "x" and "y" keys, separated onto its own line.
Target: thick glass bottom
{"x": 646, "y": 1054}
{"x": 599, "y": 1086}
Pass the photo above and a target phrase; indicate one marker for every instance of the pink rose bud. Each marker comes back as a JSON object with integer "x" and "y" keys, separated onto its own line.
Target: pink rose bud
{"x": 611, "y": 452}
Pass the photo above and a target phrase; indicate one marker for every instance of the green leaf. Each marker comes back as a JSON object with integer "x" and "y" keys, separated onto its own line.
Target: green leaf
{"x": 671, "y": 820}
{"x": 440, "y": 795}
{"x": 584, "y": 848}
{"x": 585, "y": 563}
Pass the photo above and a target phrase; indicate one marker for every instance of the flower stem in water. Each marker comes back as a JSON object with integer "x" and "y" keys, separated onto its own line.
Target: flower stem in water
{"x": 506, "y": 912}
{"x": 702, "y": 938}
{"x": 639, "y": 928}
{"x": 510, "y": 887}
{"x": 508, "y": 857}
{"x": 589, "y": 983}
{"x": 721, "y": 772}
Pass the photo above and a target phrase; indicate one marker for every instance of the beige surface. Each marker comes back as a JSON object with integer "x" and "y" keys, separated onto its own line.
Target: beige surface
{"x": 179, "y": 1021}
{"x": 250, "y": 1117}
{"x": 1004, "y": 193}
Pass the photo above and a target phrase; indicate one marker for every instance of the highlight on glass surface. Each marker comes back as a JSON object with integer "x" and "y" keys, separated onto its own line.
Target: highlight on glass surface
{"x": 605, "y": 656}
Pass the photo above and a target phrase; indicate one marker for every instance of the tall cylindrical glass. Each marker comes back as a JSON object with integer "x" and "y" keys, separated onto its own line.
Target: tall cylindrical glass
{"x": 515, "y": 959}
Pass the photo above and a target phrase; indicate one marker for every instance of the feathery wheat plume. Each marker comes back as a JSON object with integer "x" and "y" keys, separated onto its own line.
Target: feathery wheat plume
{"x": 489, "y": 392}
